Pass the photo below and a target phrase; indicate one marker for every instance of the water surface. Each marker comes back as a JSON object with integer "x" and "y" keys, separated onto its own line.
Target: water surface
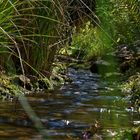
{"x": 70, "y": 110}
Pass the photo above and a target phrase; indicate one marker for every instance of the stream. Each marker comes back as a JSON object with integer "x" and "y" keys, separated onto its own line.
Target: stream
{"x": 68, "y": 111}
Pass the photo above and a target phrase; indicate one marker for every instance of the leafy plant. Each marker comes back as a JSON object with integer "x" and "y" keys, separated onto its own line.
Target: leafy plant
{"x": 88, "y": 43}
{"x": 117, "y": 23}
{"x": 132, "y": 87}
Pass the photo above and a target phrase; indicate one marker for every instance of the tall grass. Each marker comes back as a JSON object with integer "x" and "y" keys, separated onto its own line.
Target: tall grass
{"x": 33, "y": 31}
{"x": 30, "y": 34}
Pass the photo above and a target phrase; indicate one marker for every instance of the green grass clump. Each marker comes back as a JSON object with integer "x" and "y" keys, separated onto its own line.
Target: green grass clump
{"x": 30, "y": 35}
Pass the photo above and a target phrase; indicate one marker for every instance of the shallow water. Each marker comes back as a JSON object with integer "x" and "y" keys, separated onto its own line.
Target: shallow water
{"x": 70, "y": 110}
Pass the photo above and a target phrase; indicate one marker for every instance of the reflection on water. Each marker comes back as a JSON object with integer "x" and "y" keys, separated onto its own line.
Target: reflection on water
{"x": 69, "y": 110}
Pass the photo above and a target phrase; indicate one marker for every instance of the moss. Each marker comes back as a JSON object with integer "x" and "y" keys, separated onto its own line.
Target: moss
{"x": 13, "y": 85}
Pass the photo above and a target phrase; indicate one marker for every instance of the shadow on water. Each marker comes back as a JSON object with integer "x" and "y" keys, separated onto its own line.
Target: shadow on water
{"x": 69, "y": 110}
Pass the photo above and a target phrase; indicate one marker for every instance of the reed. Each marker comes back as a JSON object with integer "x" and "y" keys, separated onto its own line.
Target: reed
{"x": 30, "y": 34}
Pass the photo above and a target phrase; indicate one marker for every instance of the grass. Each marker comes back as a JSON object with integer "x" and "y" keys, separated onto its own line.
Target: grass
{"x": 29, "y": 34}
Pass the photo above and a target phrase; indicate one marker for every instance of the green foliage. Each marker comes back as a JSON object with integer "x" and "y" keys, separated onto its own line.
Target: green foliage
{"x": 132, "y": 86}
{"x": 118, "y": 23}
{"x": 94, "y": 40}
{"x": 124, "y": 18}
{"x": 120, "y": 20}
{"x": 7, "y": 88}
{"x": 129, "y": 134}
{"x": 89, "y": 42}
